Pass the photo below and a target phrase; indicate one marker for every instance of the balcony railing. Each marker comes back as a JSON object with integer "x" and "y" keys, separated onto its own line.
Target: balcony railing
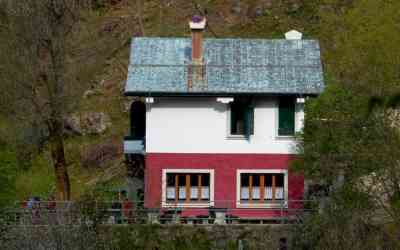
{"x": 134, "y": 145}
{"x": 129, "y": 212}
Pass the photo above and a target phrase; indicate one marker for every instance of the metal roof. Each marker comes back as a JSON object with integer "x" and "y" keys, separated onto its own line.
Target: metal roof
{"x": 161, "y": 66}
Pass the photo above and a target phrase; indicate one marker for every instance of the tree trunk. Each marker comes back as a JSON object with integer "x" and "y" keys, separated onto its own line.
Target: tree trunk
{"x": 161, "y": 11}
{"x": 139, "y": 7}
{"x": 59, "y": 162}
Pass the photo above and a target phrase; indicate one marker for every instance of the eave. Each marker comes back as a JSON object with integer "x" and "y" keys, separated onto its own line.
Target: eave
{"x": 213, "y": 94}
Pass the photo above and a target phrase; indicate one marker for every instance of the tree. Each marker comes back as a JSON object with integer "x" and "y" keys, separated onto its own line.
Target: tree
{"x": 360, "y": 45}
{"x": 34, "y": 42}
{"x": 342, "y": 141}
{"x": 388, "y": 103}
{"x": 139, "y": 7}
{"x": 355, "y": 154}
{"x": 342, "y": 135}
{"x": 351, "y": 137}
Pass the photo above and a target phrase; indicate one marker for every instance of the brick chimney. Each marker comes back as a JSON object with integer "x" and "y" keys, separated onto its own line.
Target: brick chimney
{"x": 197, "y": 26}
{"x": 196, "y": 70}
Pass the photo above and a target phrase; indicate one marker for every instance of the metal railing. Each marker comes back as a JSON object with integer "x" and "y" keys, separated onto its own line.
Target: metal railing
{"x": 128, "y": 212}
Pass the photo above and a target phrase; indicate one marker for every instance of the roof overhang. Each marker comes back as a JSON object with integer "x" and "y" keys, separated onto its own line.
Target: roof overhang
{"x": 212, "y": 94}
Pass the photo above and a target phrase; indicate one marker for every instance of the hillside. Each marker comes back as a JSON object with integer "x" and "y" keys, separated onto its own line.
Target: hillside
{"x": 101, "y": 46}
{"x": 63, "y": 116}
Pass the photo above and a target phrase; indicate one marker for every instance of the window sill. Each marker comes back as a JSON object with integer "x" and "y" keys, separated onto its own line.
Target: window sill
{"x": 285, "y": 137}
{"x": 238, "y": 137}
{"x": 204, "y": 204}
{"x": 283, "y": 204}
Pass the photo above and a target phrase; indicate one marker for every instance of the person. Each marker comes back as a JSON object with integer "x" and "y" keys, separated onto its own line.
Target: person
{"x": 127, "y": 209}
{"x": 51, "y": 209}
{"x": 24, "y": 203}
{"x": 22, "y": 214}
{"x": 35, "y": 205}
{"x": 116, "y": 209}
{"x": 30, "y": 202}
{"x": 51, "y": 203}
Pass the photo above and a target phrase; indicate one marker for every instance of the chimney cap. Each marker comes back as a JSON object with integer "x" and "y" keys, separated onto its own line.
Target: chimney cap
{"x": 293, "y": 35}
{"x": 197, "y": 22}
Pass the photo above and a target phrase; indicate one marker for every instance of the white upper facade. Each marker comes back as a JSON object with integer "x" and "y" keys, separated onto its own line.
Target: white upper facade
{"x": 203, "y": 125}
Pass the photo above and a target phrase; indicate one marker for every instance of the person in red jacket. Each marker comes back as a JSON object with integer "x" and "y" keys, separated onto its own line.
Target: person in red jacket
{"x": 127, "y": 209}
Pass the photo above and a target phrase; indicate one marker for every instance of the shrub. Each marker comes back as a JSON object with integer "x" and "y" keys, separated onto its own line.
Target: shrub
{"x": 98, "y": 155}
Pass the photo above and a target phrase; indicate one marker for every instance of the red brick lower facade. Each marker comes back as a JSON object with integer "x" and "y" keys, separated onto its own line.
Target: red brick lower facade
{"x": 225, "y": 168}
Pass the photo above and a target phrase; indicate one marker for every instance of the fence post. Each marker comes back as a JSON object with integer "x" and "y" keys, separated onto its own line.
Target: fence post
{"x": 240, "y": 245}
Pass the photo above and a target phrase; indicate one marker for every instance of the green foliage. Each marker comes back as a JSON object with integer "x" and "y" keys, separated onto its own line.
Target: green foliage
{"x": 342, "y": 141}
{"x": 99, "y": 4}
{"x": 342, "y": 228}
{"x": 361, "y": 46}
{"x": 333, "y": 122}
{"x": 152, "y": 237}
{"x": 385, "y": 102}
{"x": 346, "y": 223}
{"x": 351, "y": 138}
{"x": 38, "y": 180}
{"x": 141, "y": 237}
{"x": 8, "y": 169}
{"x": 106, "y": 191}
{"x": 362, "y": 61}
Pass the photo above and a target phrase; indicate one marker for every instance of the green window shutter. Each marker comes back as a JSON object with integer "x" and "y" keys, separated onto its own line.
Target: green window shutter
{"x": 286, "y": 116}
{"x": 249, "y": 121}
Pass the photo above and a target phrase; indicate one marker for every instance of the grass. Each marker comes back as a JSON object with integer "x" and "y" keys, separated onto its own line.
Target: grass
{"x": 37, "y": 181}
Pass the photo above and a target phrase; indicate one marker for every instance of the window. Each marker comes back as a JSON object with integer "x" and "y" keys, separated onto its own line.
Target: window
{"x": 241, "y": 118}
{"x": 262, "y": 187}
{"x": 286, "y": 115}
{"x": 188, "y": 187}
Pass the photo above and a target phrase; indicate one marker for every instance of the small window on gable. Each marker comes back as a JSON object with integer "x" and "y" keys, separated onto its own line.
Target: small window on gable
{"x": 241, "y": 118}
{"x": 286, "y": 126}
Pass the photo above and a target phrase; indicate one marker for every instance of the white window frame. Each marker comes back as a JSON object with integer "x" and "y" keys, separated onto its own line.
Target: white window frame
{"x": 204, "y": 204}
{"x": 257, "y": 204}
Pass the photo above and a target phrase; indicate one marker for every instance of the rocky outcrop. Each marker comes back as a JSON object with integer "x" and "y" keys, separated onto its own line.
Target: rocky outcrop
{"x": 87, "y": 123}
{"x": 95, "y": 122}
{"x": 91, "y": 92}
{"x": 72, "y": 125}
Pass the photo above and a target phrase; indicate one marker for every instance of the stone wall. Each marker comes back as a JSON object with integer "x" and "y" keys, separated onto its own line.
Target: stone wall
{"x": 245, "y": 237}
{"x": 147, "y": 237}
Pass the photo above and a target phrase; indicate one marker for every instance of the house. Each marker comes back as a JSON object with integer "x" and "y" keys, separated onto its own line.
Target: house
{"x": 217, "y": 123}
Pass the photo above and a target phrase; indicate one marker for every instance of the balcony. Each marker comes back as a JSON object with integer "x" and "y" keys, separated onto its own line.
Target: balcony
{"x": 134, "y": 145}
